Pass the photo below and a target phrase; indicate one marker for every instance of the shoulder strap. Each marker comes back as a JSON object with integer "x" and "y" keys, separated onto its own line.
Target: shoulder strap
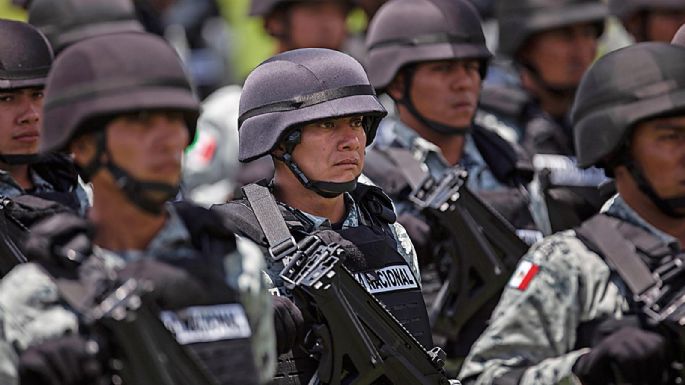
{"x": 205, "y": 226}
{"x": 281, "y": 242}
{"x": 602, "y": 232}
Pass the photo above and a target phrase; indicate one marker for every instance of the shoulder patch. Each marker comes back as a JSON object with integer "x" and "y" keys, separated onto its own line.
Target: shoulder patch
{"x": 524, "y": 274}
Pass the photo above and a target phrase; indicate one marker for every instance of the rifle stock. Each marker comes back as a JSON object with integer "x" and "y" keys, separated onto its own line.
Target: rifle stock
{"x": 357, "y": 340}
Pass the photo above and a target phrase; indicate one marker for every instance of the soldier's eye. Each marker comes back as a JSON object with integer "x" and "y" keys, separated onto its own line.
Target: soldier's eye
{"x": 6, "y": 98}
{"x": 327, "y": 124}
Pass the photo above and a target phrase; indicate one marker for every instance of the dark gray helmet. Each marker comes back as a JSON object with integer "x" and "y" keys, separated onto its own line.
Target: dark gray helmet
{"x": 520, "y": 19}
{"x": 25, "y": 56}
{"x": 411, "y": 31}
{"x": 65, "y": 22}
{"x": 265, "y": 7}
{"x": 108, "y": 75}
{"x": 609, "y": 103}
{"x": 298, "y": 87}
{"x": 625, "y": 8}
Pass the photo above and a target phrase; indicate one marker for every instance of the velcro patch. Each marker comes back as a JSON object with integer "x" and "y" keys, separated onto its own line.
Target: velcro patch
{"x": 391, "y": 278}
{"x": 524, "y": 274}
{"x": 207, "y": 323}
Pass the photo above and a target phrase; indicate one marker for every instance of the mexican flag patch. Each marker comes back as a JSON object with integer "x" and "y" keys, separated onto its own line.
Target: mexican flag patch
{"x": 525, "y": 273}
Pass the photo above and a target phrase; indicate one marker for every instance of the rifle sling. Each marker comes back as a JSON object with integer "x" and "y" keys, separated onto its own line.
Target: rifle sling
{"x": 270, "y": 220}
{"x": 619, "y": 252}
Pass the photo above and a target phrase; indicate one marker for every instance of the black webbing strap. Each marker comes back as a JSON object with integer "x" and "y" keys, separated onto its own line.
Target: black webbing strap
{"x": 307, "y": 100}
{"x": 409, "y": 166}
{"x": 620, "y": 253}
{"x": 269, "y": 217}
{"x": 434, "y": 38}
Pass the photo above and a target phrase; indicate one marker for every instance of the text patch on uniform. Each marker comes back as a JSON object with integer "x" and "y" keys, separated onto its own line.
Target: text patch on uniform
{"x": 389, "y": 278}
{"x": 207, "y": 323}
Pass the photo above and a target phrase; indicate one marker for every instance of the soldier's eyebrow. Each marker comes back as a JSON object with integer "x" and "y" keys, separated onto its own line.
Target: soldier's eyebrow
{"x": 669, "y": 125}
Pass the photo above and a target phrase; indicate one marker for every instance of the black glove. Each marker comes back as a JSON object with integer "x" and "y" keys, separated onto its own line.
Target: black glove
{"x": 630, "y": 355}
{"x": 172, "y": 287}
{"x": 289, "y": 324}
{"x": 353, "y": 258}
{"x": 62, "y": 361}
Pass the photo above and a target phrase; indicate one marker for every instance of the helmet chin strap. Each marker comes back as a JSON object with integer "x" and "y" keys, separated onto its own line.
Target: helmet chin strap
{"x": 668, "y": 206}
{"x": 324, "y": 189}
{"x": 407, "y": 101}
{"x": 558, "y": 91}
{"x": 17, "y": 159}
{"x": 149, "y": 196}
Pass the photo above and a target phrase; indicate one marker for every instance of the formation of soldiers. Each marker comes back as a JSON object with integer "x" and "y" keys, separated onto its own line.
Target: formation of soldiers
{"x": 418, "y": 210}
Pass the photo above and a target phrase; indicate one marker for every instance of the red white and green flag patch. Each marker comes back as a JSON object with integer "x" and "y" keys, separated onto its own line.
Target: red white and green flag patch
{"x": 525, "y": 273}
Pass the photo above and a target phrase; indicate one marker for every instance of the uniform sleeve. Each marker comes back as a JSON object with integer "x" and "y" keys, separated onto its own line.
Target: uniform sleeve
{"x": 406, "y": 249}
{"x": 253, "y": 287}
{"x": 532, "y": 333}
{"x": 30, "y": 312}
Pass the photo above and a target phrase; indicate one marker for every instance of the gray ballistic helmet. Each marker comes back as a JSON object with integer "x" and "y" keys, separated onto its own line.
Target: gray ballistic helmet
{"x": 97, "y": 79}
{"x": 412, "y": 31}
{"x": 520, "y": 19}
{"x": 609, "y": 104}
{"x": 65, "y": 22}
{"x": 25, "y": 56}
{"x": 297, "y": 87}
{"x": 624, "y": 8}
{"x": 265, "y": 7}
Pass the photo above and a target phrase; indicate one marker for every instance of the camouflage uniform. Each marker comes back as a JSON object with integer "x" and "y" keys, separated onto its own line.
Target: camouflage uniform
{"x": 31, "y": 313}
{"x": 533, "y": 332}
{"x": 10, "y": 188}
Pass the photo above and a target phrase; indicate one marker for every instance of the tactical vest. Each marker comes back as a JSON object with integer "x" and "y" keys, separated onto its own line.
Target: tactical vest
{"x": 654, "y": 279}
{"x": 385, "y": 273}
{"x": 216, "y": 334}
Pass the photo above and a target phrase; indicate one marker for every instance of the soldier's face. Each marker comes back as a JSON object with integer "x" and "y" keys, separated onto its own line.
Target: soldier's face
{"x": 447, "y": 91}
{"x": 317, "y": 25}
{"x": 20, "y": 119}
{"x": 149, "y": 145}
{"x": 658, "y": 147}
{"x": 562, "y": 55}
{"x": 662, "y": 25}
{"x": 332, "y": 150}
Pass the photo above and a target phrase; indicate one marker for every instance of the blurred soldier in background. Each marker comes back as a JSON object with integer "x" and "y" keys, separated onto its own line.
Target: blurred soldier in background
{"x": 649, "y": 20}
{"x": 25, "y": 59}
{"x": 127, "y": 123}
{"x": 585, "y": 305}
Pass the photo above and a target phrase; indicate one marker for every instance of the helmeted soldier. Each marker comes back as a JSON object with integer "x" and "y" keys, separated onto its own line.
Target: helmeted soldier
{"x": 212, "y": 173}
{"x": 548, "y": 45}
{"x": 429, "y": 56}
{"x": 126, "y": 124}
{"x": 67, "y": 22}
{"x": 577, "y": 310}
{"x": 313, "y": 112}
{"x": 25, "y": 59}
{"x": 649, "y": 20}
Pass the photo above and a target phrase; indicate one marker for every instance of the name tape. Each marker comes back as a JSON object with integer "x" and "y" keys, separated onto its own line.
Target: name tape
{"x": 207, "y": 323}
{"x": 387, "y": 279}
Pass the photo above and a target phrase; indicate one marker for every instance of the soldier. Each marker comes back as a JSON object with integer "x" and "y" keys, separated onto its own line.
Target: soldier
{"x": 550, "y": 44}
{"x": 66, "y": 22}
{"x": 430, "y": 57}
{"x": 649, "y": 20}
{"x": 557, "y": 320}
{"x": 211, "y": 171}
{"x": 25, "y": 59}
{"x": 313, "y": 112}
{"x": 127, "y": 123}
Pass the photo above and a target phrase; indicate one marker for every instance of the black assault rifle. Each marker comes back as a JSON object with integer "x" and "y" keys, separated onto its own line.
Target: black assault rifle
{"x": 486, "y": 253}
{"x": 357, "y": 341}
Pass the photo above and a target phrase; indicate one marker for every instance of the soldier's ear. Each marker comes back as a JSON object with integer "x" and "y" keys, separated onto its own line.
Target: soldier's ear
{"x": 396, "y": 87}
